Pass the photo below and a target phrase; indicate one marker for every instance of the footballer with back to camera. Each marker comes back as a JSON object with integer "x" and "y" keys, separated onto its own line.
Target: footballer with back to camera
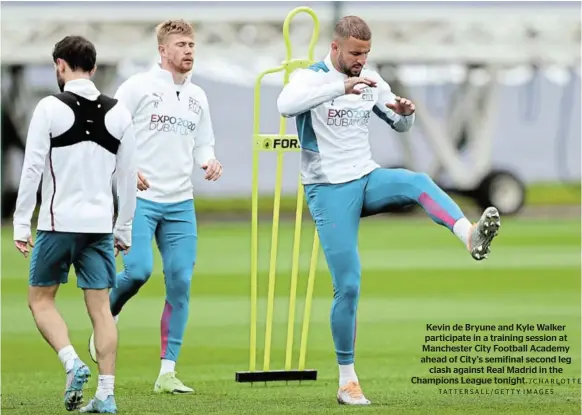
{"x": 76, "y": 141}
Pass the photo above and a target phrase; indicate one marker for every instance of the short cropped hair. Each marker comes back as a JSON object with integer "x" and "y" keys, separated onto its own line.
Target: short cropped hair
{"x": 352, "y": 26}
{"x": 78, "y": 52}
{"x": 170, "y": 27}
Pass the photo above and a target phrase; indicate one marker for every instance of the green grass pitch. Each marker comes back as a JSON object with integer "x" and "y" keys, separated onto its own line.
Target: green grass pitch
{"x": 414, "y": 273}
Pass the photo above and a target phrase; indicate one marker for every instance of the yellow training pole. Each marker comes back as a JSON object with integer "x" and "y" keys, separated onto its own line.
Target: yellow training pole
{"x": 269, "y": 143}
{"x": 308, "y": 301}
{"x": 299, "y": 207}
{"x": 255, "y": 219}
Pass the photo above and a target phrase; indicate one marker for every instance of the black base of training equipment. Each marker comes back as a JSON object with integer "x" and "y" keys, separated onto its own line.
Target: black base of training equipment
{"x": 276, "y": 376}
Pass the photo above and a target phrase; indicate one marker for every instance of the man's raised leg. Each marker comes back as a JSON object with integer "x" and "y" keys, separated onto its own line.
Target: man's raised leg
{"x": 177, "y": 240}
{"x": 49, "y": 267}
{"x": 400, "y": 186}
{"x": 336, "y": 210}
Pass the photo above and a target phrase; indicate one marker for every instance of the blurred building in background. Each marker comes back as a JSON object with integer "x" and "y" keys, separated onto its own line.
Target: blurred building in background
{"x": 497, "y": 84}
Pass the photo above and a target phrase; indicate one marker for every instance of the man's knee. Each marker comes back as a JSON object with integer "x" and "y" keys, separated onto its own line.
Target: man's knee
{"x": 178, "y": 282}
{"x": 416, "y": 184}
{"x": 348, "y": 290}
{"x": 139, "y": 272}
{"x": 41, "y": 298}
{"x": 345, "y": 267}
{"x": 422, "y": 180}
{"x": 97, "y": 302}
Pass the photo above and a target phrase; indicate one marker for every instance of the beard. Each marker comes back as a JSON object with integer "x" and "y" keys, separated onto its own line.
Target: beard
{"x": 60, "y": 82}
{"x": 350, "y": 72}
{"x": 183, "y": 66}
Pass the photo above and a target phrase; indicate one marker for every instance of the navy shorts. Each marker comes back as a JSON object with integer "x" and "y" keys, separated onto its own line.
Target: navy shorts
{"x": 91, "y": 254}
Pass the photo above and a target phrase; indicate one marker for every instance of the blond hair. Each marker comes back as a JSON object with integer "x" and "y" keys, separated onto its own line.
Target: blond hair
{"x": 170, "y": 27}
{"x": 352, "y": 26}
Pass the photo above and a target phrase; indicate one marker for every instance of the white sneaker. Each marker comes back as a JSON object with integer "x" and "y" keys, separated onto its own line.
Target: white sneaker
{"x": 92, "y": 351}
{"x": 351, "y": 394}
{"x": 482, "y": 233}
{"x": 169, "y": 383}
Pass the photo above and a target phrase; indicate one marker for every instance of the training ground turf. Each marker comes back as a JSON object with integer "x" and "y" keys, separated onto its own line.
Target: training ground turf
{"x": 414, "y": 273}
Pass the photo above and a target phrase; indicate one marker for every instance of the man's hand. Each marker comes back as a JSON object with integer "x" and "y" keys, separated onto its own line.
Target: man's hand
{"x": 213, "y": 170}
{"x": 22, "y": 246}
{"x": 350, "y": 84}
{"x": 120, "y": 246}
{"x": 402, "y": 106}
{"x": 142, "y": 183}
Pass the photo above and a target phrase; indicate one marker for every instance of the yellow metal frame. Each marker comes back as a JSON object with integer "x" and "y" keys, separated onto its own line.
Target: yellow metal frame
{"x": 272, "y": 143}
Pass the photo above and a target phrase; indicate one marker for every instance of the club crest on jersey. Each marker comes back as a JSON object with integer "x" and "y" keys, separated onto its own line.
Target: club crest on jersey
{"x": 159, "y": 97}
{"x": 194, "y": 106}
{"x": 367, "y": 94}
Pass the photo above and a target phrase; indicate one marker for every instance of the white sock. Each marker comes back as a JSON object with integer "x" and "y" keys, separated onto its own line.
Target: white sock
{"x": 167, "y": 366}
{"x": 461, "y": 229}
{"x": 347, "y": 374}
{"x": 67, "y": 355}
{"x": 105, "y": 387}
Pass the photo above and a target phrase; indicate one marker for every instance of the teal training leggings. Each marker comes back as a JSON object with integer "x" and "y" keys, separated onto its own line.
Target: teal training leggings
{"x": 336, "y": 210}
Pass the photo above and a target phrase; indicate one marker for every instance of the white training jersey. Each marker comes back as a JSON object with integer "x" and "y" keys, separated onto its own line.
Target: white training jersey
{"x": 76, "y": 141}
{"x": 332, "y": 126}
{"x": 173, "y": 131}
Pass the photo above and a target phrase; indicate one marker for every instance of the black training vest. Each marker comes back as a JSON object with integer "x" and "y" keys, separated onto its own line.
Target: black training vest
{"x": 89, "y": 123}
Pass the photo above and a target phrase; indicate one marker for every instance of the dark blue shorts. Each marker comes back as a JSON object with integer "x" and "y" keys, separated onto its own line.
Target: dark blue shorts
{"x": 91, "y": 254}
